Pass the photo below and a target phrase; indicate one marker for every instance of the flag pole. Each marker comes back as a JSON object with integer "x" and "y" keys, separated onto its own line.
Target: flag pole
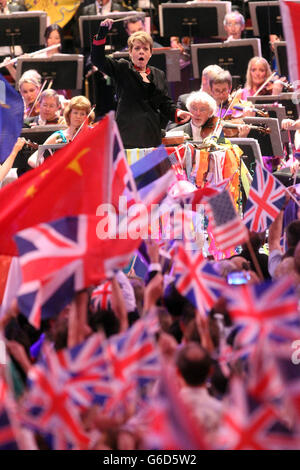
{"x": 255, "y": 261}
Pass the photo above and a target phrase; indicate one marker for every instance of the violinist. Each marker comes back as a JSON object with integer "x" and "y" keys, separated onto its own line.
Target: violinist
{"x": 49, "y": 110}
{"x": 220, "y": 90}
{"x": 202, "y": 124}
{"x": 76, "y": 112}
{"x": 258, "y": 72}
{"x": 29, "y": 86}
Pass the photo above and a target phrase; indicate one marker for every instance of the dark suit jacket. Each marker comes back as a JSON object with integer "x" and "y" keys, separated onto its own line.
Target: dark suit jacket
{"x": 181, "y": 103}
{"x": 140, "y": 105}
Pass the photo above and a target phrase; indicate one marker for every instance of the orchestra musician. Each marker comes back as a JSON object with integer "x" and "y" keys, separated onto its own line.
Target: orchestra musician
{"x": 49, "y": 110}
{"x": 29, "y": 87}
{"x": 234, "y": 25}
{"x": 76, "y": 112}
{"x": 258, "y": 72}
{"x": 143, "y": 100}
{"x": 202, "y": 124}
{"x": 220, "y": 90}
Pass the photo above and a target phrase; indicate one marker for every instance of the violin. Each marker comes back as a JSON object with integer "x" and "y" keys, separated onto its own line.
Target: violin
{"x": 33, "y": 109}
{"x": 31, "y": 145}
{"x": 235, "y": 125}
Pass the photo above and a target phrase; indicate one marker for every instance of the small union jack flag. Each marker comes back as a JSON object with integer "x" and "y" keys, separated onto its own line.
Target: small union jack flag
{"x": 259, "y": 308}
{"x": 227, "y": 228}
{"x": 101, "y": 297}
{"x": 197, "y": 280}
{"x": 170, "y": 423}
{"x": 64, "y": 383}
{"x": 266, "y": 198}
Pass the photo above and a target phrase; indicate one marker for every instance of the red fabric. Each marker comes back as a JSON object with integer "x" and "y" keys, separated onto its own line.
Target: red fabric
{"x": 99, "y": 42}
{"x": 74, "y": 181}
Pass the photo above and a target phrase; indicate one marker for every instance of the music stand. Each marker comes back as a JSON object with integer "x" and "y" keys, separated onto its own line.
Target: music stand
{"x": 268, "y": 146}
{"x": 24, "y": 28}
{"x": 233, "y": 56}
{"x": 281, "y": 58}
{"x": 164, "y": 58}
{"x": 50, "y": 147}
{"x": 66, "y": 70}
{"x": 116, "y": 37}
{"x": 266, "y": 18}
{"x": 39, "y": 134}
{"x": 252, "y": 152}
{"x": 203, "y": 19}
{"x": 286, "y": 99}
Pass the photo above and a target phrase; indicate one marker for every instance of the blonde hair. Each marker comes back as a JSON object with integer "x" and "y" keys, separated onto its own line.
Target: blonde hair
{"x": 142, "y": 36}
{"x": 249, "y": 83}
{"x": 31, "y": 76}
{"x": 78, "y": 102}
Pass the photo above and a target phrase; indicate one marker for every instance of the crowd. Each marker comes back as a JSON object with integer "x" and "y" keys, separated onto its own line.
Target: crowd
{"x": 189, "y": 346}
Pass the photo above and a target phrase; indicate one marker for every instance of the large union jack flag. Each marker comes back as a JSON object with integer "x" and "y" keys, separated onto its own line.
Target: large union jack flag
{"x": 62, "y": 257}
{"x": 266, "y": 198}
{"x": 259, "y": 309}
{"x": 197, "y": 280}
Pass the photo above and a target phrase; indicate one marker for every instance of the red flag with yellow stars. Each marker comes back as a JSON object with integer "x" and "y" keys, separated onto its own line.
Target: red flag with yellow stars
{"x": 74, "y": 181}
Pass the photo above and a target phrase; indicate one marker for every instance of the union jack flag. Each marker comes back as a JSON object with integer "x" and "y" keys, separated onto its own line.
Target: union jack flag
{"x": 259, "y": 308}
{"x": 98, "y": 372}
{"x": 227, "y": 228}
{"x": 7, "y": 434}
{"x": 249, "y": 424}
{"x": 123, "y": 183}
{"x": 266, "y": 198}
{"x": 170, "y": 425}
{"x": 197, "y": 280}
{"x": 59, "y": 258}
{"x": 101, "y": 297}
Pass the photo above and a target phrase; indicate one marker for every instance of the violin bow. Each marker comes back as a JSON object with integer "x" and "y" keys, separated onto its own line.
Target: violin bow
{"x": 265, "y": 83}
{"x": 81, "y": 126}
{"x": 37, "y": 98}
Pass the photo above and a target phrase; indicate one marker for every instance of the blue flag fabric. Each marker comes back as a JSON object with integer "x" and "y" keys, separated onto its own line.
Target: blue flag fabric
{"x": 11, "y": 117}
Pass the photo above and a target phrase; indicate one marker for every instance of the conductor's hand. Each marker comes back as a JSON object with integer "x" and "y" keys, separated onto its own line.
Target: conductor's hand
{"x": 108, "y": 23}
{"x": 183, "y": 116}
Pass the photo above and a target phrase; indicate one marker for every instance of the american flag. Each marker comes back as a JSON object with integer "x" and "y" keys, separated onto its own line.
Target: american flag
{"x": 62, "y": 257}
{"x": 259, "y": 308}
{"x": 227, "y": 228}
{"x": 249, "y": 424}
{"x": 197, "y": 280}
{"x": 265, "y": 199}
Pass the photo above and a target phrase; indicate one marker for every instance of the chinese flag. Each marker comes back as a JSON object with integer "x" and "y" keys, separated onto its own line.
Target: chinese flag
{"x": 73, "y": 181}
